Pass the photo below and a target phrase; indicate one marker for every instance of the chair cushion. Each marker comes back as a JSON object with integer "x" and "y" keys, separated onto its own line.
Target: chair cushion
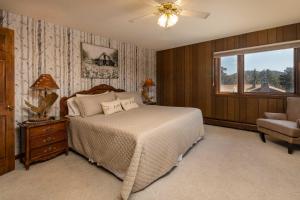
{"x": 288, "y": 128}
{"x": 293, "y": 108}
{"x": 279, "y": 116}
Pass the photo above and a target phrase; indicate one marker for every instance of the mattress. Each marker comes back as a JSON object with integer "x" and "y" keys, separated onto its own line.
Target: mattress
{"x": 138, "y": 146}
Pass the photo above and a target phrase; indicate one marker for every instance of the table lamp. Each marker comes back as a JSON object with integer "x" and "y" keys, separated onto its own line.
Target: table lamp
{"x": 44, "y": 83}
{"x": 146, "y": 88}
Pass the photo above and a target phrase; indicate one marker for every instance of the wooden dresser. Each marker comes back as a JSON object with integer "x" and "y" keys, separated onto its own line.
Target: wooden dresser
{"x": 43, "y": 141}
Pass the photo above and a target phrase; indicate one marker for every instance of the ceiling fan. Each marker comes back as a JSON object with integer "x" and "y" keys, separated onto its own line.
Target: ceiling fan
{"x": 169, "y": 12}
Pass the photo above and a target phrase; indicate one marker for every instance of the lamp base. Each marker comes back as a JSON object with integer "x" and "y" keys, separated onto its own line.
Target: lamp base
{"x": 38, "y": 119}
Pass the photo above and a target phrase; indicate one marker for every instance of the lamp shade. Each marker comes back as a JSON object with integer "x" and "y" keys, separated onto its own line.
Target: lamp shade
{"x": 45, "y": 81}
{"x": 149, "y": 83}
{"x": 167, "y": 20}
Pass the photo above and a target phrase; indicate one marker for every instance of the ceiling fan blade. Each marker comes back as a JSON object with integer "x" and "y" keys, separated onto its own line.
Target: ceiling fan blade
{"x": 180, "y": 2}
{"x": 192, "y": 13}
{"x": 142, "y": 17}
{"x": 152, "y": 2}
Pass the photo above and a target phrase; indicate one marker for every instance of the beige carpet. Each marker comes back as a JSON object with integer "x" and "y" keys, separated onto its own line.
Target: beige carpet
{"x": 227, "y": 165}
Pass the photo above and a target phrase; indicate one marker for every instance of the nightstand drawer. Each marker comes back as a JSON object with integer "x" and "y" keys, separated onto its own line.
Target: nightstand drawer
{"x": 46, "y": 150}
{"x": 41, "y": 130}
{"x": 43, "y": 140}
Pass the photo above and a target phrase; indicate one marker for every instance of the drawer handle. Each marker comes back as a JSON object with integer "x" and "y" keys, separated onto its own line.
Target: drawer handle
{"x": 50, "y": 148}
{"x": 48, "y": 139}
{"x": 47, "y": 129}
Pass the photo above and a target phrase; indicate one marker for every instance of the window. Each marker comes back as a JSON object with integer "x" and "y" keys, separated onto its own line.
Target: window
{"x": 228, "y": 74}
{"x": 269, "y": 71}
{"x": 250, "y": 71}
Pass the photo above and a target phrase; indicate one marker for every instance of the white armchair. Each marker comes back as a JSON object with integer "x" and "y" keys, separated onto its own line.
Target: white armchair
{"x": 284, "y": 126}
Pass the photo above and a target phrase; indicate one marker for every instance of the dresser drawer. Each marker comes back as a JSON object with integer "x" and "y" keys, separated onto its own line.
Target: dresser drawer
{"x": 43, "y": 140}
{"x": 46, "y": 150}
{"x": 42, "y": 130}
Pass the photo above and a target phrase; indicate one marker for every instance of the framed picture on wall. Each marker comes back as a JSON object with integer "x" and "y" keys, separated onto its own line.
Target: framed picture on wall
{"x": 99, "y": 62}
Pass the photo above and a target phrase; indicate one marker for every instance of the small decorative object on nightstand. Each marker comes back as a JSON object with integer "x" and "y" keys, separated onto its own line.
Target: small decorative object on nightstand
{"x": 42, "y": 141}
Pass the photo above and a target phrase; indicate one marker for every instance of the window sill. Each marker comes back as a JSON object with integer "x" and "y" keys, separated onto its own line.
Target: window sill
{"x": 273, "y": 95}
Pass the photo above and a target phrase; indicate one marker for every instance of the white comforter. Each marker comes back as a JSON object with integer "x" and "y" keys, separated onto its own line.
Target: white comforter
{"x": 139, "y": 145}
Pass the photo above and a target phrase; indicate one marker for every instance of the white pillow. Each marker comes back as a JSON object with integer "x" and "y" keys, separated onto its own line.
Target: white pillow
{"x": 73, "y": 109}
{"x": 128, "y": 104}
{"x": 91, "y": 105}
{"x": 111, "y": 107}
{"x": 126, "y": 95}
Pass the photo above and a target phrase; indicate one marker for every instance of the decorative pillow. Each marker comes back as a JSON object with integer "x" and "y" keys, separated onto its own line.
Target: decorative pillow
{"x": 73, "y": 109}
{"x": 91, "y": 95}
{"x": 111, "y": 107}
{"x": 126, "y": 95}
{"x": 91, "y": 105}
{"x": 128, "y": 104}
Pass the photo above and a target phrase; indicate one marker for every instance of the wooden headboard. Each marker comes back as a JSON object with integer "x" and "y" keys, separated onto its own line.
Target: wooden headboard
{"x": 95, "y": 90}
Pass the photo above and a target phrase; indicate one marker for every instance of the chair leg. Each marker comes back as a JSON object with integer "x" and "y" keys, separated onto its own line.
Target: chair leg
{"x": 262, "y": 137}
{"x": 290, "y": 148}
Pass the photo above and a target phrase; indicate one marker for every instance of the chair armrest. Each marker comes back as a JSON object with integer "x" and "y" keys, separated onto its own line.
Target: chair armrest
{"x": 278, "y": 116}
{"x": 298, "y": 123}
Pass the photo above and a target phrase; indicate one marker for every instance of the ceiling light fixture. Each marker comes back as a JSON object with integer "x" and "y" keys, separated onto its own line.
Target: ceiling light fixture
{"x": 169, "y": 11}
{"x": 168, "y": 15}
{"x": 166, "y": 20}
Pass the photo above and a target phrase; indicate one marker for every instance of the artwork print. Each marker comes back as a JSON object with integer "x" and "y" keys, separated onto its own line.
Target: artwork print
{"x": 99, "y": 62}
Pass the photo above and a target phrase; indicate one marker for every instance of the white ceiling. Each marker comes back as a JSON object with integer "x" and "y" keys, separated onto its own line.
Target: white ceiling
{"x": 109, "y": 18}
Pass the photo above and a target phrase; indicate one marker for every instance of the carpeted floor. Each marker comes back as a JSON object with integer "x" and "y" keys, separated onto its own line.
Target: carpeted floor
{"x": 228, "y": 164}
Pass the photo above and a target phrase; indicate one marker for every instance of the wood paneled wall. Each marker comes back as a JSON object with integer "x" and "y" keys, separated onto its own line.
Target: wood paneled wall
{"x": 185, "y": 78}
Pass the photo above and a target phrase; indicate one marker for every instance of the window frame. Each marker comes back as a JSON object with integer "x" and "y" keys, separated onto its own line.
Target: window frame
{"x": 219, "y": 76}
{"x": 241, "y": 71}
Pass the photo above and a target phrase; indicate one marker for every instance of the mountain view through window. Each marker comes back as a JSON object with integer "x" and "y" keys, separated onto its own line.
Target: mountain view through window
{"x": 269, "y": 71}
{"x": 264, "y": 72}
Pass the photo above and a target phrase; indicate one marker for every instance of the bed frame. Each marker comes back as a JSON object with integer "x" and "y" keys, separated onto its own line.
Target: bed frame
{"x": 95, "y": 90}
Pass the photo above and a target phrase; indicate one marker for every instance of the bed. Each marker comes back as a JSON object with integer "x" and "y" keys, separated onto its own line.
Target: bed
{"x": 138, "y": 146}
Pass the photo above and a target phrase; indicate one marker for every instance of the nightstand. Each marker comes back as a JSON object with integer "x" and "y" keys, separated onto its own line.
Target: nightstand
{"x": 150, "y": 103}
{"x": 43, "y": 140}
